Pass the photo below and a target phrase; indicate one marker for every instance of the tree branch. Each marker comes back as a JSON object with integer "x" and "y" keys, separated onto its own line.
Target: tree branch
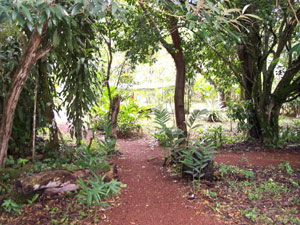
{"x": 153, "y": 24}
{"x": 225, "y": 60}
{"x": 42, "y": 52}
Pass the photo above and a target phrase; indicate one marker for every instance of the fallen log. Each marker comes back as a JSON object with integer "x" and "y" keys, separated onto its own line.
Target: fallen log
{"x": 57, "y": 181}
{"x": 46, "y": 180}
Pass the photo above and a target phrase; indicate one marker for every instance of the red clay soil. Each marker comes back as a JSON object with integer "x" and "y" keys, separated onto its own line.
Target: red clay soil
{"x": 151, "y": 198}
{"x": 259, "y": 158}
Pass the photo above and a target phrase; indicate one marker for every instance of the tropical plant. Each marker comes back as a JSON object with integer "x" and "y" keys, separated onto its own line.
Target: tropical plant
{"x": 188, "y": 156}
{"x": 94, "y": 190}
{"x": 108, "y": 145}
{"x": 90, "y": 158}
{"x": 43, "y": 24}
{"x": 129, "y": 116}
{"x": 10, "y": 206}
{"x": 239, "y": 112}
{"x": 196, "y": 158}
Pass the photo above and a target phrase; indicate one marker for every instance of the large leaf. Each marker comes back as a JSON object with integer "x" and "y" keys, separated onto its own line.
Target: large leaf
{"x": 55, "y": 39}
{"x": 27, "y": 13}
{"x": 76, "y": 8}
{"x": 295, "y": 48}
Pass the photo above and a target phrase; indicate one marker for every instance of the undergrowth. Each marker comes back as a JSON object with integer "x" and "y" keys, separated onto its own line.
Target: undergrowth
{"x": 255, "y": 195}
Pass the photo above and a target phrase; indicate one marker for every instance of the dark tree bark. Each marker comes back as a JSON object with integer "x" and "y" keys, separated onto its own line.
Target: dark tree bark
{"x": 260, "y": 51}
{"x": 53, "y": 144}
{"x": 248, "y": 75}
{"x": 180, "y": 65}
{"x": 29, "y": 58}
{"x": 114, "y": 111}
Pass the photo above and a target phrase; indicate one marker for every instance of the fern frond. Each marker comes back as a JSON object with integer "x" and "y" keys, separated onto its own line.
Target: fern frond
{"x": 193, "y": 117}
{"x": 161, "y": 117}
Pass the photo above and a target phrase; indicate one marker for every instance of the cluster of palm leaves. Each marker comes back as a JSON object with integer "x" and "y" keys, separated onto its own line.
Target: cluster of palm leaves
{"x": 189, "y": 156}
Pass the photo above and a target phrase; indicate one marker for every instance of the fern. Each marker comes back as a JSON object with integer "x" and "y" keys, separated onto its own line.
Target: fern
{"x": 161, "y": 118}
{"x": 196, "y": 160}
{"x": 193, "y": 117}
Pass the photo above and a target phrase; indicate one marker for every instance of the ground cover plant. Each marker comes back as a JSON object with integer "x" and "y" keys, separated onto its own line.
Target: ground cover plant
{"x": 96, "y": 182}
{"x": 254, "y": 195}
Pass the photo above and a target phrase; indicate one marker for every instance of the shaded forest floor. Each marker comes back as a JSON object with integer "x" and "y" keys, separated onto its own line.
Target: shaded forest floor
{"x": 254, "y": 186}
{"x": 156, "y": 195}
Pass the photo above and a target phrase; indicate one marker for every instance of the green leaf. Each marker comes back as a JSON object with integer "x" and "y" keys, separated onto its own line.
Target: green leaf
{"x": 55, "y": 39}
{"x": 191, "y": 26}
{"x": 295, "y": 48}
{"x": 57, "y": 11}
{"x": 47, "y": 10}
{"x": 14, "y": 14}
{"x": 40, "y": 29}
{"x": 27, "y": 13}
{"x": 54, "y": 20}
{"x": 30, "y": 26}
{"x": 76, "y": 8}
{"x": 43, "y": 18}
{"x": 189, "y": 16}
{"x": 114, "y": 7}
{"x": 253, "y": 16}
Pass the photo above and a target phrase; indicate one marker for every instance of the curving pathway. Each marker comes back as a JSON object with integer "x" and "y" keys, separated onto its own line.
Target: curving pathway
{"x": 151, "y": 198}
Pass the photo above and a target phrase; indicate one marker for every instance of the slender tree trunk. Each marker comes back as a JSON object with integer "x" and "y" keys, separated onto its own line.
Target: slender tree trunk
{"x": 176, "y": 51}
{"x": 53, "y": 144}
{"x": 180, "y": 65}
{"x": 222, "y": 98}
{"x": 34, "y": 116}
{"x": 20, "y": 76}
{"x": 179, "y": 93}
{"x": 114, "y": 111}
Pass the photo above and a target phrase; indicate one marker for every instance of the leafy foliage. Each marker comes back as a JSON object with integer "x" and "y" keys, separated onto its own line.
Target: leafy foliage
{"x": 128, "y": 117}
{"x": 169, "y": 137}
{"x": 94, "y": 190}
{"x": 196, "y": 158}
{"x": 189, "y": 157}
{"x": 10, "y": 206}
{"x": 240, "y": 112}
{"x": 108, "y": 145}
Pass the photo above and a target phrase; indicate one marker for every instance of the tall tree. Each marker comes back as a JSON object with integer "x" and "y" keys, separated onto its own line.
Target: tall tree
{"x": 268, "y": 47}
{"x": 40, "y": 18}
{"x": 171, "y": 24}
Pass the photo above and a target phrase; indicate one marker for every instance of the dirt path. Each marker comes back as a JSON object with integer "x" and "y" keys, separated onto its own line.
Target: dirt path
{"x": 259, "y": 158}
{"x": 151, "y": 198}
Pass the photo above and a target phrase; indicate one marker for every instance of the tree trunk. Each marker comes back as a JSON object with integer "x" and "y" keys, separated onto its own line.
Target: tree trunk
{"x": 34, "y": 115}
{"x": 114, "y": 111}
{"x": 247, "y": 63}
{"x": 180, "y": 65}
{"x": 53, "y": 144}
{"x": 175, "y": 50}
{"x": 222, "y": 98}
{"x": 268, "y": 121}
{"x": 20, "y": 76}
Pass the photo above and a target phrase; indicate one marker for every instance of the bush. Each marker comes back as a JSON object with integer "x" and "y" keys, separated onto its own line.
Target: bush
{"x": 128, "y": 117}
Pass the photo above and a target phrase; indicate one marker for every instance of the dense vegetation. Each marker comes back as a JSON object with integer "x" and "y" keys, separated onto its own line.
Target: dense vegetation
{"x": 81, "y": 57}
